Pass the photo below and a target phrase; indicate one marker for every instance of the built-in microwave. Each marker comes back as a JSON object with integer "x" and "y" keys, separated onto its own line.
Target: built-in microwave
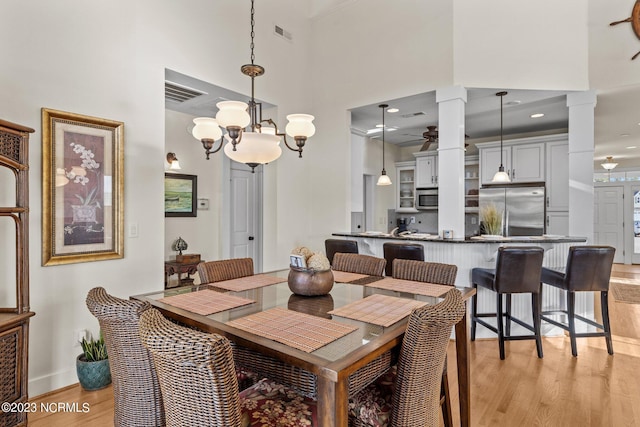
{"x": 427, "y": 198}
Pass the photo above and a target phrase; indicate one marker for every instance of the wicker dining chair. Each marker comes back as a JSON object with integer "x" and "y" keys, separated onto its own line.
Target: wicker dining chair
{"x": 409, "y": 394}
{"x": 199, "y": 386}
{"x": 421, "y": 271}
{"x": 357, "y": 263}
{"x": 225, "y": 269}
{"x": 136, "y": 390}
{"x": 441, "y": 274}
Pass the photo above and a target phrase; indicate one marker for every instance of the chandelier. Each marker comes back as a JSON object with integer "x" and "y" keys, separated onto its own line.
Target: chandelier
{"x": 260, "y": 144}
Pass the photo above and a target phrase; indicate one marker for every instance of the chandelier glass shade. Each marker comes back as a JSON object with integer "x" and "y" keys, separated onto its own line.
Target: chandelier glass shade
{"x": 609, "y": 163}
{"x": 250, "y": 139}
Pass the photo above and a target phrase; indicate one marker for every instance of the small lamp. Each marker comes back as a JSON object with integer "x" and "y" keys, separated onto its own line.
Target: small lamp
{"x": 174, "y": 164}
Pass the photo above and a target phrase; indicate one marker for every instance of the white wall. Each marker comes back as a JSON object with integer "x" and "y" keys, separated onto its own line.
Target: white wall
{"x": 522, "y": 45}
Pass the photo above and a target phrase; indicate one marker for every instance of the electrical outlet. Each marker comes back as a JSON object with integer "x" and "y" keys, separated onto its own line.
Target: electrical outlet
{"x": 412, "y": 220}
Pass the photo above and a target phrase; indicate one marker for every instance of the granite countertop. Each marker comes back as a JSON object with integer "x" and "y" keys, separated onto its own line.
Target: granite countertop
{"x": 423, "y": 237}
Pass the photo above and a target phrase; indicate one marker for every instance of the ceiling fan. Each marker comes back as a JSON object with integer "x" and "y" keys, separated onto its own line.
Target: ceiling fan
{"x": 431, "y": 136}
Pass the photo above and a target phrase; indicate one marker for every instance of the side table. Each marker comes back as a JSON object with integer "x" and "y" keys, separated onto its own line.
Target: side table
{"x": 180, "y": 268}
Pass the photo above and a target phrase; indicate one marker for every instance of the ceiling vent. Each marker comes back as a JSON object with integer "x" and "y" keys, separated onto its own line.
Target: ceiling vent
{"x": 281, "y": 32}
{"x": 178, "y": 93}
{"x": 408, "y": 116}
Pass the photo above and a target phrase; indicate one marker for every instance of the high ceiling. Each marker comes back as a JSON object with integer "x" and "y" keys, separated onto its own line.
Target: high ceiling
{"x": 616, "y": 115}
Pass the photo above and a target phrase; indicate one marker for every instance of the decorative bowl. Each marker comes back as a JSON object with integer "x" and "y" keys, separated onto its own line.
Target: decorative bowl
{"x": 307, "y": 282}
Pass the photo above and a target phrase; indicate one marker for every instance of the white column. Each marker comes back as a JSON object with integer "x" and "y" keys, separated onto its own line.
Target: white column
{"x": 451, "y": 106}
{"x": 581, "y": 146}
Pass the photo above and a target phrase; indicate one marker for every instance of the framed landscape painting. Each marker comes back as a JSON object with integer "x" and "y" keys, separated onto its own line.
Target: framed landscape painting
{"x": 82, "y": 188}
{"x": 180, "y": 195}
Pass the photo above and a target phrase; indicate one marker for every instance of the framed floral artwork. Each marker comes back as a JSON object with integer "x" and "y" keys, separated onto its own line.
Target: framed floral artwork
{"x": 180, "y": 194}
{"x": 82, "y": 188}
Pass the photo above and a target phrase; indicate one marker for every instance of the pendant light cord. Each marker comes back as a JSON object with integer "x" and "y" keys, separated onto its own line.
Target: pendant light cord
{"x": 501, "y": 95}
{"x": 253, "y": 23}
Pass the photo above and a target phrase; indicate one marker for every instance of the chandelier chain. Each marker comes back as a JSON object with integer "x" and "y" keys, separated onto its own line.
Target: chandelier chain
{"x": 253, "y": 56}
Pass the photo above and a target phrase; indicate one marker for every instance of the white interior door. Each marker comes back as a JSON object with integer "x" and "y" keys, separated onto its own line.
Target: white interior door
{"x": 609, "y": 226}
{"x": 243, "y": 220}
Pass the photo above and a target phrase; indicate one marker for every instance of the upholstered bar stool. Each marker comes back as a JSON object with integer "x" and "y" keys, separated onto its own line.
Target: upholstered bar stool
{"x": 588, "y": 269}
{"x": 517, "y": 271}
{"x": 333, "y": 246}
{"x": 402, "y": 251}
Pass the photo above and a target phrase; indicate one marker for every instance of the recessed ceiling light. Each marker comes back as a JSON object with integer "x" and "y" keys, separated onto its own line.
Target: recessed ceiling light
{"x": 624, "y": 134}
{"x": 380, "y": 125}
{"x": 514, "y": 102}
{"x": 631, "y": 147}
{"x": 537, "y": 115}
{"x": 392, "y": 110}
{"x": 376, "y": 130}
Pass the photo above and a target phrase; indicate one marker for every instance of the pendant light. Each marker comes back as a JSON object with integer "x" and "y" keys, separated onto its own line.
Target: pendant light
{"x": 501, "y": 175}
{"x": 608, "y": 165}
{"x": 384, "y": 178}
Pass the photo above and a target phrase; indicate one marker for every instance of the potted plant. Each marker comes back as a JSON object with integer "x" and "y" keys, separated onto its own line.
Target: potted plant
{"x": 92, "y": 365}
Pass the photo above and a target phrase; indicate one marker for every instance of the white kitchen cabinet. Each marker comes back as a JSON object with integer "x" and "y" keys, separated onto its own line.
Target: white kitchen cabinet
{"x": 490, "y": 162}
{"x": 523, "y": 162}
{"x": 405, "y": 187}
{"x": 527, "y": 163}
{"x": 426, "y": 170}
{"x": 558, "y": 223}
{"x": 558, "y": 176}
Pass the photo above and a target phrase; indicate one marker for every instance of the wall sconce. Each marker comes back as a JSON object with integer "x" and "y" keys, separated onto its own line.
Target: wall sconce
{"x": 174, "y": 164}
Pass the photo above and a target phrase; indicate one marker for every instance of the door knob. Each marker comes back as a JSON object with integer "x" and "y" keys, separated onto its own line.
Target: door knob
{"x": 251, "y": 238}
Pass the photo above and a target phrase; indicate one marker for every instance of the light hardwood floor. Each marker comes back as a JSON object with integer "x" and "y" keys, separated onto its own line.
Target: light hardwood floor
{"x": 594, "y": 389}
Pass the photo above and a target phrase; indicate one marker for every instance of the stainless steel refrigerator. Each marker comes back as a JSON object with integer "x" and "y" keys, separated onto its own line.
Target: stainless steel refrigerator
{"x": 522, "y": 206}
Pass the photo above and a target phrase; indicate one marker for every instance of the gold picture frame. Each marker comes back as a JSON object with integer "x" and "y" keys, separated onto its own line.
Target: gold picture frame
{"x": 82, "y": 188}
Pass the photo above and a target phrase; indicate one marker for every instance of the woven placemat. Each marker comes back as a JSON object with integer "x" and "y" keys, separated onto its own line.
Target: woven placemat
{"x": 205, "y": 302}
{"x": 410, "y": 286}
{"x": 383, "y": 310}
{"x": 302, "y": 331}
{"x": 626, "y": 293}
{"x": 246, "y": 283}
{"x": 346, "y": 276}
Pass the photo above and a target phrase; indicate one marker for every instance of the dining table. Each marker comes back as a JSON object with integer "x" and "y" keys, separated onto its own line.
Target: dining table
{"x": 327, "y": 347}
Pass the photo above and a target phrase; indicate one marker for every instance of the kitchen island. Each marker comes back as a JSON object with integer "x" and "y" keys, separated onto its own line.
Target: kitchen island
{"x": 468, "y": 253}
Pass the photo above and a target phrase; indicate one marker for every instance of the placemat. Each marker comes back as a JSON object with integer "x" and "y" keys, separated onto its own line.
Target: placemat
{"x": 410, "y": 286}
{"x": 205, "y": 302}
{"x": 246, "y": 283}
{"x": 383, "y": 310}
{"x": 302, "y": 331}
{"x": 346, "y": 276}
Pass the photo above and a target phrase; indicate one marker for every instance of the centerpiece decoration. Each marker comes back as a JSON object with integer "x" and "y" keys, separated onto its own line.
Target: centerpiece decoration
{"x": 310, "y": 273}
{"x": 491, "y": 221}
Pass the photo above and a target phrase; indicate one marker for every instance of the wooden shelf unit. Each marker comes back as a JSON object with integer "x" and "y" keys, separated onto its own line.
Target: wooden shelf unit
{"x": 14, "y": 319}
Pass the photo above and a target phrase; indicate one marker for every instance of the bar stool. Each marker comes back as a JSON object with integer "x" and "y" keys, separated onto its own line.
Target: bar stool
{"x": 332, "y": 246}
{"x": 588, "y": 270}
{"x": 402, "y": 251}
{"x": 517, "y": 271}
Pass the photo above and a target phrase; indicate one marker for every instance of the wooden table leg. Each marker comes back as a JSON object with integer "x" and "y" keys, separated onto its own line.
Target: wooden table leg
{"x": 464, "y": 377}
{"x": 333, "y": 402}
